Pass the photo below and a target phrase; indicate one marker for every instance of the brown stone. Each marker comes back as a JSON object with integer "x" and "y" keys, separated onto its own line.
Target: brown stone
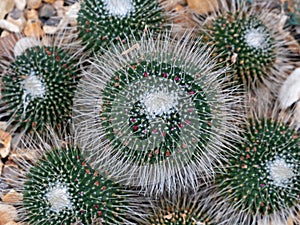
{"x": 203, "y": 6}
{"x": 33, "y": 29}
{"x": 7, "y": 213}
{"x": 5, "y": 143}
{"x": 12, "y": 197}
{"x": 49, "y": 1}
{"x": 34, "y": 4}
{"x": 5, "y": 7}
{"x": 11, "y": 223}
{"x": 32, "y": 14}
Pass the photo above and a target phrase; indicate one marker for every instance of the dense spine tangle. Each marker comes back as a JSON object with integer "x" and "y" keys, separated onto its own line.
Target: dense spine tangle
{"x": 251, "y": 41}
{"x": 38, "y": 87}
{"x": 153, "y": 112}
{"x": 261, "y": 181}
{"x": 63, "y": 189}
{"x": 101, "y": 22}
{"x": 182, "y": 209}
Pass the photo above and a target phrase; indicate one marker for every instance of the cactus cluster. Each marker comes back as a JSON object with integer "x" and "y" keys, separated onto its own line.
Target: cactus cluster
{"x": 38, "y": 87}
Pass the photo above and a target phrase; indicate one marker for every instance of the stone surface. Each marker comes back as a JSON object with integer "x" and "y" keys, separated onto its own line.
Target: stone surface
{"x": 47, "y": 11}
{"x": 33, "y": 28}
{"x": 203, "y": 6}
{"x": 7, "y": 213}
{"x": 5, "y": 25}
{"x": 20, "y": 22}
{"x": 34, "y": 4}
{"x": 12, "y": 197}
{"x": 5, "y": 143}
{"x": 32, "y": 14}
{"x": 49, "y": 1}
{"x": 20, "y": 4}
{"x": 5, "y": 7}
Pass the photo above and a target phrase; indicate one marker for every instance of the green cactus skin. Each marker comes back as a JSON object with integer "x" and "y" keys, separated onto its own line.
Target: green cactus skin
{"x": 154, "y": 119}
{"x": 102, "y": 22}
{"x": 63, "y": 189}
{"x": 262, "y": 178}
{"x": 250, "y": 39}
{"x": 38, "y": 87}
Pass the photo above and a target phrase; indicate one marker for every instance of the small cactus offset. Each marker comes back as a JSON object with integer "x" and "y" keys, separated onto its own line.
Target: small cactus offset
{"x": 101, "y": 22}
{"x": 154, "y": 113}
{"x": 251, "y": 41}
{"x": 38, "y": 86}
{"x": 261, "y": 181}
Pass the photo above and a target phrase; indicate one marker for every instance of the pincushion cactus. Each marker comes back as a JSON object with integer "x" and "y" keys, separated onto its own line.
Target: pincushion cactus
{"x": 38, "y": 83}
{"x": 261, "y": 180}
{"x": 59, "y": 187}
{"x": 155, "y": 113}
{"x": 252, "y": 41}
{"x": 101, "y": 22}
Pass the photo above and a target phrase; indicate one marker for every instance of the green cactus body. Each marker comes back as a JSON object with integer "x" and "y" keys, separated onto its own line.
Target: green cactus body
{"x": 38, "y": 87}
{"x": 158, "y": 112}
{"x": 102, "y": 22}
{"x": 64, "y": 189}
{"x": 263, "y": 177}
{"x": 162, "y": 108}
{"x": 243, "y": 40}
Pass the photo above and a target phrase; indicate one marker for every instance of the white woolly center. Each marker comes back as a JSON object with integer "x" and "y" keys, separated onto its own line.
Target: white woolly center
{"x": 280, "y": 172}
{"x": 59, "y": 198}
{"x": 33, "y": 86}
{"x": 256, "y": 38}
{"x": 159, "y": 102}
{"x": 119, "y": 7}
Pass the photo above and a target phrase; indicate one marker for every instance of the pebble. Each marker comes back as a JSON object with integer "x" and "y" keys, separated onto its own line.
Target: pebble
{"x": 5, "y": 25}
{"x": 53, "y": 21}
{"x": 34, "y": 4}
{"x": 12, "y": 197}
{"x": 47, "y": 11}
{"x": 7, "y": 213}
{"x": 20, "y": 22}
{"x": 203, "y": 6}
{"x": 5, "y": 143}
{"x": 20, "y": 4}
{"x": 50, "y": 29}
{"x": 290, "y": 90}
{"x": 32, "y": 14}
{"x": 33, "y": 28}
{"x": 5, "y": 7}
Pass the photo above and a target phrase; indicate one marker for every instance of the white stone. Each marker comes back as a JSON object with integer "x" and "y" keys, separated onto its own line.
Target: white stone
{"x": 290, "y": 90}
{"x": 5, "y": 25}
{"x": 5, "y": 7}
{"x": 20, "y": 4}
{"x": 50, "y": 29}
{"x": 119, "y": 7}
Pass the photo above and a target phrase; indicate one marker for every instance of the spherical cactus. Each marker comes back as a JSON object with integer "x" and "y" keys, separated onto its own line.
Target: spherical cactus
{"x": 261, "y": 180}
{"x": 154, "y": 113}
{"x": 38, "y": 85}
{"x": 61, "y": 188}
{"x": 101, "y": 22}
{"x": 180, "y": 209}
{"x": 252, "y": 41}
